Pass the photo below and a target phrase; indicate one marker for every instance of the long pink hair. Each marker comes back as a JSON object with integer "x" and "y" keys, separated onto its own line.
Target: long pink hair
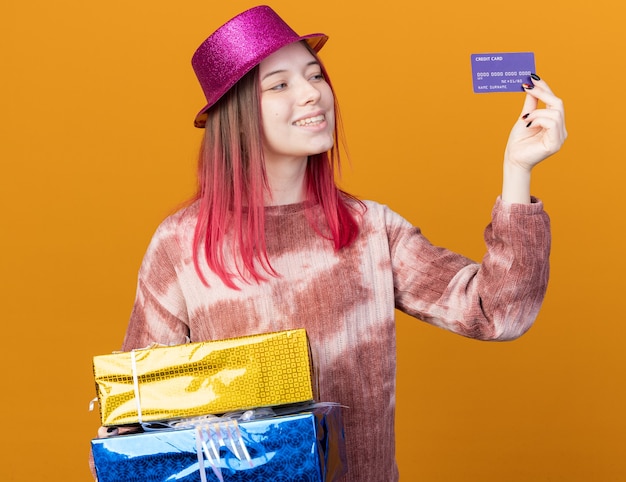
{"x": 232, "y": 183}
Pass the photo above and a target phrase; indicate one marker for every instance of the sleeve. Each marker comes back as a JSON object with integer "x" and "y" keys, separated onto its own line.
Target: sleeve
{"x": 497, "y": 299}
{"x": 159, "y": 314}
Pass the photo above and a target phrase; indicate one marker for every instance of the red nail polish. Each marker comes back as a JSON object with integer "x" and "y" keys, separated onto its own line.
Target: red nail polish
{"x": 528, "y": 86}
{"x": 525, "y": 115}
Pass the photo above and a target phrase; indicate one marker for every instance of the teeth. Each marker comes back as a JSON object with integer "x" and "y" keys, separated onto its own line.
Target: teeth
{"x": 310, "y": 120}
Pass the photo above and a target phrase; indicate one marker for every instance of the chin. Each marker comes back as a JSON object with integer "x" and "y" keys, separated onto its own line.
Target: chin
{"x": 322, "y": 148}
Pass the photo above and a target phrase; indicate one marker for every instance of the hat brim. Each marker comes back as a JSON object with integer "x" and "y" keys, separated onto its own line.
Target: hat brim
{"x": 315, "y": 40}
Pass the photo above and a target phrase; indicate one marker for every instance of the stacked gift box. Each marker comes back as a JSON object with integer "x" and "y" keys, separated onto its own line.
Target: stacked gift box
{"x": 240, "y": 409}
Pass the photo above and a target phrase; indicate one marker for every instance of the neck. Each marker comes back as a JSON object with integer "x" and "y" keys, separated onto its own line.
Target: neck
{"x": 286, "y": 181}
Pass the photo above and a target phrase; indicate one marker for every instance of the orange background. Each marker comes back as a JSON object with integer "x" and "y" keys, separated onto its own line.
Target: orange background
{"x": 98, "y": 146}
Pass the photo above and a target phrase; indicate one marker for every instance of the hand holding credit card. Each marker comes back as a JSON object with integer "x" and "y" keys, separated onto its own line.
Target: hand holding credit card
{"x": 501, "y": 72}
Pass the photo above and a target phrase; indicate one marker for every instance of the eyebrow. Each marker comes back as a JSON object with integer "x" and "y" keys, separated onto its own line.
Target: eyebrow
{"x": 280, "y": 71}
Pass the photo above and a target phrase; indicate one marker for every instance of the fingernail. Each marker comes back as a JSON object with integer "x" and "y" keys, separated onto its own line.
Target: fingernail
{"x": 535, "y": 77}
{"x": 528, "y": 125}
{"x": 525, "y": 115}
{"x": 528, "y": 86}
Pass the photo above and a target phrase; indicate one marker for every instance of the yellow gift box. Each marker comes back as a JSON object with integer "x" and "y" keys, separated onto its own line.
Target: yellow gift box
{"x": 213, "y": 377}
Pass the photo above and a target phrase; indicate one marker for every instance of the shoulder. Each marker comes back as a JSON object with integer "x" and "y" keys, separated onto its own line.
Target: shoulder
{"x": 381, "y": 214}
{"x": 378, "y": 220}
{"x": 174, "y": 234}
{"x": 366, "y": 207}
{"x": 179, "y": 223}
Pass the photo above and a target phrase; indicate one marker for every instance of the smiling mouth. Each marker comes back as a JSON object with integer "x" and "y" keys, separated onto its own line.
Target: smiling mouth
{"x": 310, "y": 121}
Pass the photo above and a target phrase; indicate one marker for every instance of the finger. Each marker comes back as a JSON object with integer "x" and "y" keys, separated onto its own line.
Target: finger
{"x": 553, "y": 114}
{"x": 538, "y": 81}
{"x": 104, "y": 432}
{"x": 552, "y": 135}
{"x": 530, "y": 104}
{"x": 540, "y": 89}
{"x": 545, "y": 123}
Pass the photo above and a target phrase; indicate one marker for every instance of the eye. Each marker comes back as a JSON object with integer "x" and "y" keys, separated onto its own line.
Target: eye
{"x": 278, "y": 87}
{"x": 317, "y": 77}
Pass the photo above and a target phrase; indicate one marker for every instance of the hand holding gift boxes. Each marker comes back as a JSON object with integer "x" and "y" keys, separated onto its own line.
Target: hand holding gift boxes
{"x": 199, "y": 378}
{"x": 174, "y": 382}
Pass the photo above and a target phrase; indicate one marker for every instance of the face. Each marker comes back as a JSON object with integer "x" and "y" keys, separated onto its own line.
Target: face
{"x": 297, "y": 105}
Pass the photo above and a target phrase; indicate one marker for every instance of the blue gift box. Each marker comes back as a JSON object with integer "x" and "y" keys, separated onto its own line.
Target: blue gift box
{"x": 307, "y": 446}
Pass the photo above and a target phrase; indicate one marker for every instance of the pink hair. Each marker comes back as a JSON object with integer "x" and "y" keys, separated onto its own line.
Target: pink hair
{"x": 232, "y": 183}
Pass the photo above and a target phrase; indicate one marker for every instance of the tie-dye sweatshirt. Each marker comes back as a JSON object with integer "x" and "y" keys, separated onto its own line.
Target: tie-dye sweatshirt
{"x": 346, "y": 300}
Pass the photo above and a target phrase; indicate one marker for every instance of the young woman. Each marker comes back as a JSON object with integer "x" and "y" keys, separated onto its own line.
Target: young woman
{"x": 270, "y": 243}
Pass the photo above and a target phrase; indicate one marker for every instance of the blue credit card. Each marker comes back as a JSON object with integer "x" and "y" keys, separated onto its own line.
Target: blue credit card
{"x": 501, "y": 72}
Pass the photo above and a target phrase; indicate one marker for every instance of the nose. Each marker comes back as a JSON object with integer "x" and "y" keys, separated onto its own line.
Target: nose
{"x": 309, "y": 93}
